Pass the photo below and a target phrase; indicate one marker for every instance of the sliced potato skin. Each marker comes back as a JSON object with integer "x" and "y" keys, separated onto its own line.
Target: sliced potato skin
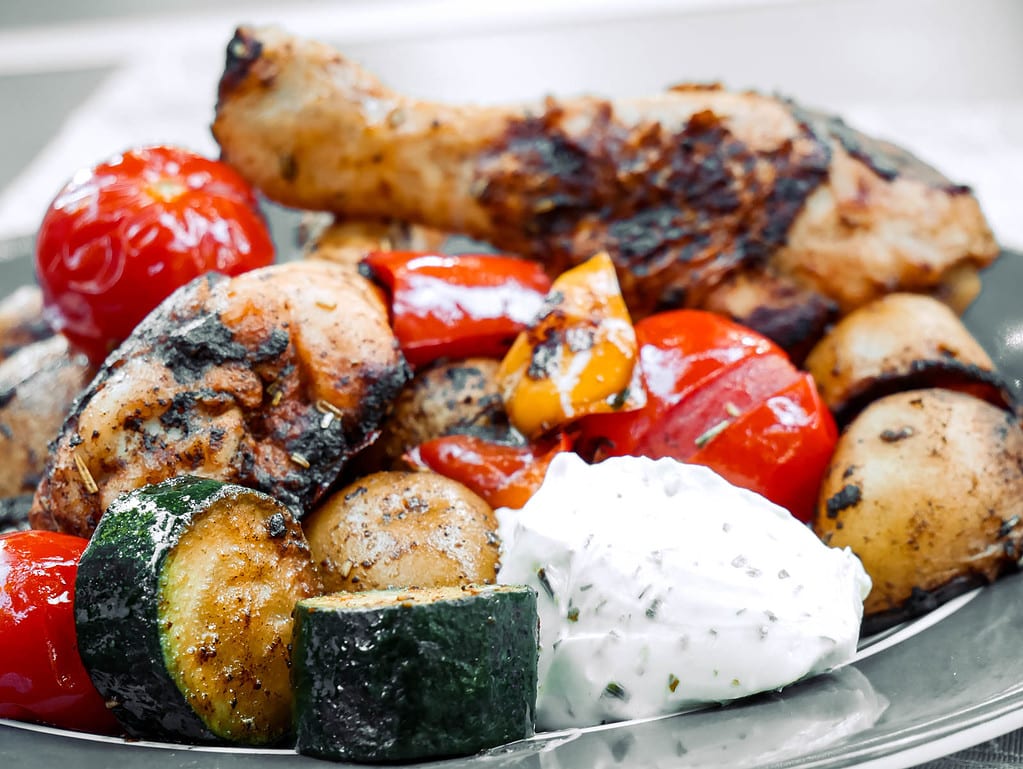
{"x": 900, "y": 342}
{"x": 926, "y": 487}
{"x": 403, "y": 529}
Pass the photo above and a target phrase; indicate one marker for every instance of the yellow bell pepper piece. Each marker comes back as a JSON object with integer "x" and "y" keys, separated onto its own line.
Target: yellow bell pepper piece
{"x": 577, "y": 358}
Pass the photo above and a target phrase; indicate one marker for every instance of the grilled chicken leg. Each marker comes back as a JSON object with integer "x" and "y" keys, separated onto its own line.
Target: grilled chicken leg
{"x": 701, "y": 195}
{"x": 273, "y": 380}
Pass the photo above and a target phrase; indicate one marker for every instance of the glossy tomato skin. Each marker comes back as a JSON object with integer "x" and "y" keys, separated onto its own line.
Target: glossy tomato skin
{"x": 731, "y": 392}
{"x": 121, "y": 237}
{"x": 445, "y": 306}
{"x": 679, "y": 351}
{"x": 794, "y": 431}
{"x": 42, "y": 678}
{"x": 721, "y": 395}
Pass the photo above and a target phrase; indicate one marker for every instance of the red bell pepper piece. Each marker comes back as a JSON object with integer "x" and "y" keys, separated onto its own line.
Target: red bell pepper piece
{"x": 504, "y": 475}
{"x": 780, "y": 449}
{"x": 42, "y": 678}
{"x": 679, "y": 351}
{"x": 458, "y": 306}
{"x": 721, "y": 395}
{"x": 717, "y": 402}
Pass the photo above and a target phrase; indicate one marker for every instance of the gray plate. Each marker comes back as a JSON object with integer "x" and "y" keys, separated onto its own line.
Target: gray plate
{"x": 923, "y": 690}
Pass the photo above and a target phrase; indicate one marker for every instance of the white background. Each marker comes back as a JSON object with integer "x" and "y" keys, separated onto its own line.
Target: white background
{"x": 942, "y": 77}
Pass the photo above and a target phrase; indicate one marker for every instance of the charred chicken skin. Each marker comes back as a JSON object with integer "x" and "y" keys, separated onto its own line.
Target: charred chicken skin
{"x": 738, "y": 202}
{"x": 273, "y": 380}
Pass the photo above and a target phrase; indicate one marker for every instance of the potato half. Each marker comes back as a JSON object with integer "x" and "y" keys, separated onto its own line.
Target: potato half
{"x": 926, "y": 487}
{"x": 447, "y": 397}
{"x": 403, "y": 529}
{"x": 900, "y": 342}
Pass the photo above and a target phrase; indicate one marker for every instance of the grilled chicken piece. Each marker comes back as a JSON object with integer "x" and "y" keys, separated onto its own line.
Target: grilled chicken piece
{"x": 272, "y": 380}
{"x": 21, "y": 320}
{"x": 38, "y": 384}
{"x": 686, "y": 190}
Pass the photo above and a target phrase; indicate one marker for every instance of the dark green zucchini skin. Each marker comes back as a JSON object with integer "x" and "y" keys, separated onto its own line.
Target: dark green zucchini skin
{"x": 394, "y": 682}
{"x": 117, "y": 603}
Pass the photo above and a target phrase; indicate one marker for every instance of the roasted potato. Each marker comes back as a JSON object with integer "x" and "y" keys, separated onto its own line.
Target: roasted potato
{"x": 900, "y": 342}
{"x": 448, "y": 397}
{"x": 21, "y": 320}
{"x": 403, "y": 529}
{"x": 14, "y": 513}
{"x": 926, "y": 487}
{"x": 38, "y": 384}
{"x": 349, "y": 241}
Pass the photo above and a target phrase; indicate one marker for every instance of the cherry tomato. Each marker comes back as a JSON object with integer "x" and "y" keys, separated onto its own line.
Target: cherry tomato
{"x": 42, "y": 678}
{"x": 504, "y": 475}
{"x": 458, "y": 306}
{"x": 121, "y": 237}
{"x": 796, "y": 434}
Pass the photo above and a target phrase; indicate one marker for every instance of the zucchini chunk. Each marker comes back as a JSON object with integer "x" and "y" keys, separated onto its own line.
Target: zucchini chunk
{"x": 183, "y": 606}
{"x": 400, "y": 675}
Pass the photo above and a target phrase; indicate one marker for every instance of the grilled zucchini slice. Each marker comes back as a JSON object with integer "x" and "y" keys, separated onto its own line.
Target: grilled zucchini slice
{"x": 183, "y": 607}
{"x": 401, "y": 675}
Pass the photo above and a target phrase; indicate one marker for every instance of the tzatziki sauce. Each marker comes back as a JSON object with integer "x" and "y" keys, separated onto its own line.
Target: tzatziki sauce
{"x": 662, "y": 586}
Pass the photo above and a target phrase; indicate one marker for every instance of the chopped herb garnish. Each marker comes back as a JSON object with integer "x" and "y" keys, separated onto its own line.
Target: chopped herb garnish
{"x": 712, "y": 433}
{"x": 275, "y": 395}
{"x": 617, "y": 691}
{"x": 1007, "y": 526}
{"x": 619, "y": 399}
{"x": 541, "y": 574}
{"x": 83, "y": 472}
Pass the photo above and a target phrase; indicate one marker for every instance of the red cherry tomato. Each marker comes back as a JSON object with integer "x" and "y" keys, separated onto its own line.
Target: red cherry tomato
{"x": 796, "y": 434}
{"x": 42, "y": 678}
{"x": 121, "y": 237}
{"x": 458, "y": 306}
{"x": 505, "y": 476}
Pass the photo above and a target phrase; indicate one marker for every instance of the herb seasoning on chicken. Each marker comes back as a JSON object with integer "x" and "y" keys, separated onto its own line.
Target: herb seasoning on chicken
{"x": 232, "y": 379}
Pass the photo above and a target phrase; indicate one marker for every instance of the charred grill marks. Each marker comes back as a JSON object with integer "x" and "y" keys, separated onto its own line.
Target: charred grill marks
{"x": 225, "y": 380}
{"x": 885, "y": 159}
{"x": 242, "y": 52}
{"x": 682, "y": 209}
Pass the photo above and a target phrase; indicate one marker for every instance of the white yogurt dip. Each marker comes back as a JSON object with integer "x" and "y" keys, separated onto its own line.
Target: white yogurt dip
{"x": 660, "y": 586}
